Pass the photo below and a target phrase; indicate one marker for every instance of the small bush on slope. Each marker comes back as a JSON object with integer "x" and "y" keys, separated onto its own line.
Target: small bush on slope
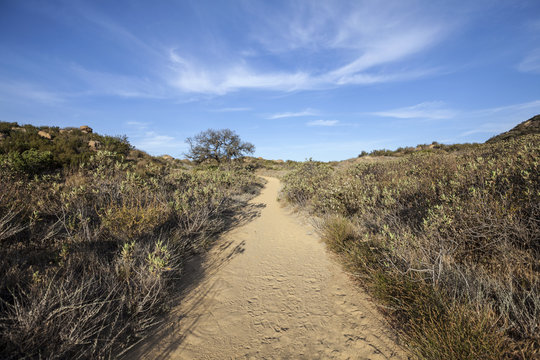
{"x": 449, "y": 241}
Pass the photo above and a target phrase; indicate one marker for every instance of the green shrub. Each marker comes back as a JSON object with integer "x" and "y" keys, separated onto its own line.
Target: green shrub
{"x": 29, "y": 162}
{"x": 302, "y": 183}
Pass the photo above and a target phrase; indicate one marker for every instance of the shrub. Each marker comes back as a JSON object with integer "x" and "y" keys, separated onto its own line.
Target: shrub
{"x": 337, "y": 231}
{"x": 302, "y": 183}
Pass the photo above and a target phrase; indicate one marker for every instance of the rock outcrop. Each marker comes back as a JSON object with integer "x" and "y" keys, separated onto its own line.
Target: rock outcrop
{"x": 86, "y": 129}
{"x": 94, "y": 145}
{"x": 44, "y": 134}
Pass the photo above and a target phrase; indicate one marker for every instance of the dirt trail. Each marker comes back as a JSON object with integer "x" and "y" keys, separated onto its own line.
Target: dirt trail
{"x": 270, "y": 291}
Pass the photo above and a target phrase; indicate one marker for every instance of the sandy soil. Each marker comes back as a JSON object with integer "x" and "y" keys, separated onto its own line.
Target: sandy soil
{"x": 271, "y": 291}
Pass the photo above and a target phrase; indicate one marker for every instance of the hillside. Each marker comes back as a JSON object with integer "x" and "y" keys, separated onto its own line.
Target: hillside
{"x": 531, "y": 126}
{"x": 57, "y": 147}
{"x": 445, "y": 241}
{"x": 94, "y": 235}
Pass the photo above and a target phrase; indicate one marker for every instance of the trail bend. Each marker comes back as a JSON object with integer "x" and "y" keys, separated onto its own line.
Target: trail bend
{"x": 270, "y": 290}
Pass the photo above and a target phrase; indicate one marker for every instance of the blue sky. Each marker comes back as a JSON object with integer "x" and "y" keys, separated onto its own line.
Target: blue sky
{"x": 299, "y": 79}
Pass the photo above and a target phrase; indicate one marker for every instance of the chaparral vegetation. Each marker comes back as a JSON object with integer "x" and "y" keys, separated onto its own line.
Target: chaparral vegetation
{"x": 94, "y": 235}
{"x": 446, "y": 238}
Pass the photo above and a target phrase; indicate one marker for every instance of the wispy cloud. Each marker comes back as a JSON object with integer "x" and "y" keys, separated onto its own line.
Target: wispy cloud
{"x": 157, "y": 144}
{"x": 358, "y": 38}
{"x": 191, "y": 78}
{"x": 322, "y": 123}
{"x": 531, "y": 63}
{"x": 124, "y": 36}
{"x": 487, "y": 128}
{"x": 306, "y": 112}
{"x": 231, "y": 109}
{"x": 138, "y": 125}
{"x": 498, "y": 119}
{"x": 434, "y": 110}
{"x": 144, "y": 137}
{"x": 151, "y": 140}
{"x": 531, "y": 106}
{"x": 324, "y": 46}
{"x": 98, "y": 82}
{"x": 29, "y": 91}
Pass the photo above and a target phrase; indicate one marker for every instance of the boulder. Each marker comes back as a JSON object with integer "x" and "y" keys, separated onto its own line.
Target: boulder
{"x": 86, "y": 129}
{"x": 18, "y": 129}
{"x": 167, "y": 157}
{"x": 94, "y": 145}
{"x": 44, "y": 134}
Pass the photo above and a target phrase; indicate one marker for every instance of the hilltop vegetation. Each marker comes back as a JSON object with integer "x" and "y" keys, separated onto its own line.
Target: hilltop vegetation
{"x": 434, "y": 147}
{"x": 94, "y": 235}
{"x": 35, "y": 149}
{"x": 448, "y": 242}
{"x": 531, "y": 126}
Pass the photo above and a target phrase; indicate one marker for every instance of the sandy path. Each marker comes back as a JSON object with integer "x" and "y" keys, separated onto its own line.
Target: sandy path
{"x": 270, "y": 291}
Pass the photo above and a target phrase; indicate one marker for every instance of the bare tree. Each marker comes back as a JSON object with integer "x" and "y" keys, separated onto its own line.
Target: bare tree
{"x": 219, "y": 145}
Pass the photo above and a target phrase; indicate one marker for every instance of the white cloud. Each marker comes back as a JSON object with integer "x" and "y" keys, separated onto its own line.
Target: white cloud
{"x": 498, "y": 119}
{"x": 120, "y": 85}
{"x": 322, "y": 123}
{"x": 434, "y": 110}
{"x": 331, "y": 44}
{"x": 137, "y": 123}
{"x": 487, "y": 128}
{"x": 306, "y": 112}
{"x": 232, "y": 109}
{"x": 32, "y": 92}
{"x": 394, "y": 48}
{"x": 143, "y": 137}
{"x": 531, "y": 63}
{"x": 301, "y": 45}
{"x": 189, "y": 77}
{"x": 152, "y": 139}
{"x": 529, "y": 107}
{"x": 156, "y": 143}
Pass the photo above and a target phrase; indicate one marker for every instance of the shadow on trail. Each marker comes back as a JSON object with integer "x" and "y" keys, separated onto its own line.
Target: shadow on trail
{"x": 199, "y": 269}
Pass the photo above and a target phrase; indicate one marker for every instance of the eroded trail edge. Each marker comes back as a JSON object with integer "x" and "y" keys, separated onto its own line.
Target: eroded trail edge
{"x": 271, "y": 291}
